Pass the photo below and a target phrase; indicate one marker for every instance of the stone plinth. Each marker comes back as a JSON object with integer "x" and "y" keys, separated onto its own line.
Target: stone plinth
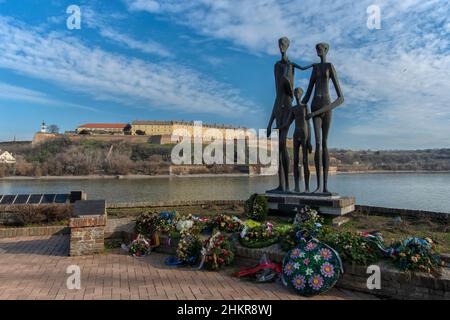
{"x": 87, "y": 228}
{"x": 77, "y": 196}
{"x": 326, "y": 204}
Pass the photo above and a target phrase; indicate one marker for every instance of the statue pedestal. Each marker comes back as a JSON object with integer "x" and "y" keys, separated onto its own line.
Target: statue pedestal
{"x": 325, "y": 204}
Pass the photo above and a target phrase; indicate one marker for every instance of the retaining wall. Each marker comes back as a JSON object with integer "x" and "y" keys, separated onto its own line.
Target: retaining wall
{"x": 33, "y": 231}
{"x": 173, "y": 203}
{"x": 380, "y": 211}
{"x": 394, "y": 283}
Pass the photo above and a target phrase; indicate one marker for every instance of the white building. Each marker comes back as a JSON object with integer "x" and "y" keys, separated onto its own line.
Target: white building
{"x": 6, "y": 157}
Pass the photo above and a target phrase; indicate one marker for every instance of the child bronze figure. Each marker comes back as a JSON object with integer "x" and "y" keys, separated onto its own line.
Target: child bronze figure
{"x": 302, "y": 138}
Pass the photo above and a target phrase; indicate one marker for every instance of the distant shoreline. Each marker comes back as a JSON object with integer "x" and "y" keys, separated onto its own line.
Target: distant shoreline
{"x": 207, "y": 175}
{"x": 393, "y": 171}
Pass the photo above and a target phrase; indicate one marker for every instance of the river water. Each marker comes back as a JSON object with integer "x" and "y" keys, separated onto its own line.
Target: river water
{"x": 427, "y": 191}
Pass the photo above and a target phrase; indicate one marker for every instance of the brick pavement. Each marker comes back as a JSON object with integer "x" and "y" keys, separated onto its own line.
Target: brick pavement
{"x": 35, "y": 268}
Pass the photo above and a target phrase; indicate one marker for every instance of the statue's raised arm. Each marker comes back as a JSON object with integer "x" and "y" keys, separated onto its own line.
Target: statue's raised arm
{"x": 297, "y": 66}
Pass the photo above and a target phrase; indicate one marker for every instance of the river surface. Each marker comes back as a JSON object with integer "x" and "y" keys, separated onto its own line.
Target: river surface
{"x": 425, "y": 191}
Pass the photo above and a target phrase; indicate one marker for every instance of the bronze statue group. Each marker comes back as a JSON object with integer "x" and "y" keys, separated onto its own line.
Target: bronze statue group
{"x": 284, "y": 114}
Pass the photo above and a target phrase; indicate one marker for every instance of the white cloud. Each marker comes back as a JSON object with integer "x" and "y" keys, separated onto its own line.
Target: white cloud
{"x": 396, "y": 80}
{"x": 146, "y": 5}
{"x": 103, "y": 23}
{"x": 148, "y": 46}
{"x": 112, "y": 77}
{"x": 15, "y": 93}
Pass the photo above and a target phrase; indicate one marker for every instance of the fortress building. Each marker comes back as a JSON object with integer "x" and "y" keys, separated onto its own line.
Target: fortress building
{"x": 104, "y": 128}
{"x": 166, "y": 128}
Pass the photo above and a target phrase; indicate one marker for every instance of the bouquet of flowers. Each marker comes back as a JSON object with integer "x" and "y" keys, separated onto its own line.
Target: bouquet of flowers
{"x": 150, "y": 222}
{"x": 185, "y": 223}
{"x": 307, "y": 225}
{"x": 146, "y": 223}
{"x": 258, "y": 236}
{"x": 229, "y": 224}
{"x": 140, "y": 247}
{"x": 189, "y": 248}
{"x": 217, "y": 252}
{"x": 416, "y": 254}
{"x": 167, "y": 221}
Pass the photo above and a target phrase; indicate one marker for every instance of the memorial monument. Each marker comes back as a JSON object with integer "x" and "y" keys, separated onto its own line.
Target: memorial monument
{"x": 281, "y": 198}
{"x": 284, "y": 71}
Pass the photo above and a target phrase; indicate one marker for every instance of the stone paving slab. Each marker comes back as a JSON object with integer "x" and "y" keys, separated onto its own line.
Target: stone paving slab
{"x": 35, "y": 268}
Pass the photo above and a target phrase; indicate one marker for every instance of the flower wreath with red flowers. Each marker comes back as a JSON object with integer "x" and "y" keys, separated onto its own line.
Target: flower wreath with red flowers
{"x": 217, "y": 252}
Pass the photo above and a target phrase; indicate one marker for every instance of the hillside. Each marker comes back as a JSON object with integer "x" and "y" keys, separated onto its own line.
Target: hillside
{"x": 395, "y": 160}
{"x": 62, "y": 157}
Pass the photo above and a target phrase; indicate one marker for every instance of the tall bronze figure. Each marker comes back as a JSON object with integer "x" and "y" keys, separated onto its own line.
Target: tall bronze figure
{"x": 321, "y": 109}
{"x": 284, "y": 84}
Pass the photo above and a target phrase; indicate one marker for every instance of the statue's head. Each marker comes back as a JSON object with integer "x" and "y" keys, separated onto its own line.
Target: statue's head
{"x": 283, "y": 44}
{"x": 298, "y": 92}
{"x": 322, "y": 49}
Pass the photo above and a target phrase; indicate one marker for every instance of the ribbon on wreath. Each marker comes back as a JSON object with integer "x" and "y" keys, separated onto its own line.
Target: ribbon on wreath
{"x": 208, "y": 247}
{"x": 250, "y": 271}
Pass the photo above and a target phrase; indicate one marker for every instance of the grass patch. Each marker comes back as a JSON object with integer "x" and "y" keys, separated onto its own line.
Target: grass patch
{"x": 209, "y": 210}
{"x": 408, "y": 227}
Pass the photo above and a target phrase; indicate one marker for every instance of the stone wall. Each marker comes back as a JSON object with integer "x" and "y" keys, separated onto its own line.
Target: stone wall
{"x": 42, "y": 137}
{"x": 120, "y": 229}
{"x": 174, "y": 203}
{"x": 87, "y": 235}
{"x": 396, "y": 284}
{"x": 392, "y": 212}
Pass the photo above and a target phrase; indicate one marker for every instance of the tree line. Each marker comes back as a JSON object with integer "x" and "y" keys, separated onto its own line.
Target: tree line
{"x": 62, "y": 157}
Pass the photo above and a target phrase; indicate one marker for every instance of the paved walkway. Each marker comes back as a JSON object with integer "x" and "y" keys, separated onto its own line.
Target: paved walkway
{"x": 35, "y": 268}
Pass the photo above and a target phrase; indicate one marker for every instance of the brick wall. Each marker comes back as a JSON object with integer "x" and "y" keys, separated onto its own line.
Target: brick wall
{"x": 33, "y": 231}
{"x": 87, "y": 235}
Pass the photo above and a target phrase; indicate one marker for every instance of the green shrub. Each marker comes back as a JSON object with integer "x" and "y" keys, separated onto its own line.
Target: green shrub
{"x": 40, "y": 214}
{"x": 256, "y": 207}
{"x": 47, "y": 150}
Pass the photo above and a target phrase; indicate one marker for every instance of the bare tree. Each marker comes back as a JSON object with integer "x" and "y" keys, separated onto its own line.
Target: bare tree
{"x": 53, "y": 128}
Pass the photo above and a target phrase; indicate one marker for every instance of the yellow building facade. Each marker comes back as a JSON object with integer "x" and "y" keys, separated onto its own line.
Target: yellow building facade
{"x": 154, "y": 128}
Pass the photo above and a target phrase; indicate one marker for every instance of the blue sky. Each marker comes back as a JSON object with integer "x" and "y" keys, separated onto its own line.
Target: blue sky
{"x": 212, "y": 60}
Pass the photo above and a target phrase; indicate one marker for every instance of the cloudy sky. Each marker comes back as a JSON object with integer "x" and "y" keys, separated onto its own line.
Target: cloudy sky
{"x": 212, "y": 60}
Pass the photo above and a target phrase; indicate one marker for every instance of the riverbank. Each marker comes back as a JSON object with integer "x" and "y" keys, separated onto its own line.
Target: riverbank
{"x": 393, "y": 172}
{"x": 427, "y": 192}
{"x": 120, "y": 177}
{"x": 206, "y": 175}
